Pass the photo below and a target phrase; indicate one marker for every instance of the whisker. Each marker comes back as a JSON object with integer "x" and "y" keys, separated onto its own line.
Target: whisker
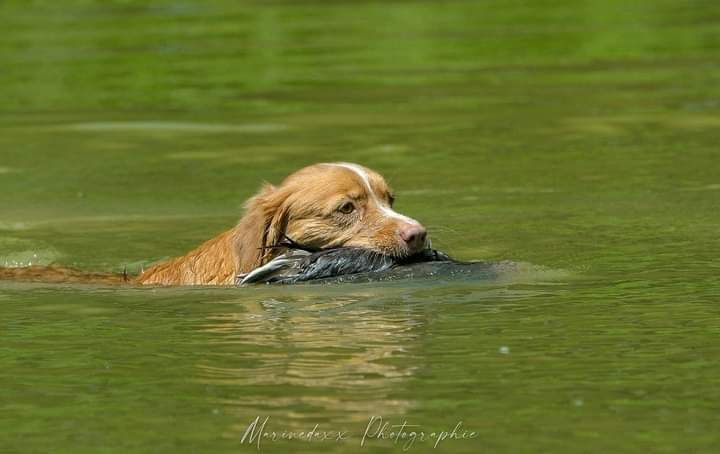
{"x": 440, "y": 228}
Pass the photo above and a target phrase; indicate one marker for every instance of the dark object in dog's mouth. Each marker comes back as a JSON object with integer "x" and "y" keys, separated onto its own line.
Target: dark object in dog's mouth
{"x": 300, "y": 265}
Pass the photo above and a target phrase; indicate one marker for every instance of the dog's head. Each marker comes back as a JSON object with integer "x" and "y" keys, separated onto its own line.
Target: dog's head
{"x": 331, "y": 205}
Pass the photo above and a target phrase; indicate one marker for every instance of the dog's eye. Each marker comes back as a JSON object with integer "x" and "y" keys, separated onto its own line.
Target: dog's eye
{"x": 347, "y": 208}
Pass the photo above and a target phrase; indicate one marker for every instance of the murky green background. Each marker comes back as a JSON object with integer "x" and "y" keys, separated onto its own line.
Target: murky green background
{"x": 578, "y": 136}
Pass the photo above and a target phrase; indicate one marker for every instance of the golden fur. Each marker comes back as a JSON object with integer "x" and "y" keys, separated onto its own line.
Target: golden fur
{"x": 308, "y": 207}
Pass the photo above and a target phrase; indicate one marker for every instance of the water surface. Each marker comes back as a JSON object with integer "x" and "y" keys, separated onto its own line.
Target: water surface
{"x": 579, "y": 137}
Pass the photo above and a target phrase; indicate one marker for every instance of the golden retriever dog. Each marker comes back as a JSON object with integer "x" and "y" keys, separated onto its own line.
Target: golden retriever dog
{"x": 320, "y": 206}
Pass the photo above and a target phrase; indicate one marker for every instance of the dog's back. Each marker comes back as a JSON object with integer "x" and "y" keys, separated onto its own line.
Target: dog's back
{"x": 59, "y": 274}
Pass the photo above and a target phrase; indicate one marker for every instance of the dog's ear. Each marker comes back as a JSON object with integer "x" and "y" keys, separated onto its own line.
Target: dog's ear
{"x": 262, "y": 227}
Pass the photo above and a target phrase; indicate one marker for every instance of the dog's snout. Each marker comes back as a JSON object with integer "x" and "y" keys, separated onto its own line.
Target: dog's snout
{"x": 414, "y": 236}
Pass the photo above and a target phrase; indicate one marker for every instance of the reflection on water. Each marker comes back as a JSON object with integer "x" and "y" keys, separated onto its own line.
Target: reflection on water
{"x": 334, "y": 353}
{"x": 335, "y": 357}
{"x": 340, "y": 353}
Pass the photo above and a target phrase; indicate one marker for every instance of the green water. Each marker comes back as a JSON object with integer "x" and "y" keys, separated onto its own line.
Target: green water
{"x": 578, "y": 137}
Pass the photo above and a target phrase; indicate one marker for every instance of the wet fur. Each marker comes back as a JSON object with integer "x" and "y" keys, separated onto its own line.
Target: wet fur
{"x": 240, "y": 249}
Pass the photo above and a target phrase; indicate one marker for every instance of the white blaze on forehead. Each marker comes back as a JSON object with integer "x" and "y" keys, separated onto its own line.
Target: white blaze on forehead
{"x": 386, "y": 210}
